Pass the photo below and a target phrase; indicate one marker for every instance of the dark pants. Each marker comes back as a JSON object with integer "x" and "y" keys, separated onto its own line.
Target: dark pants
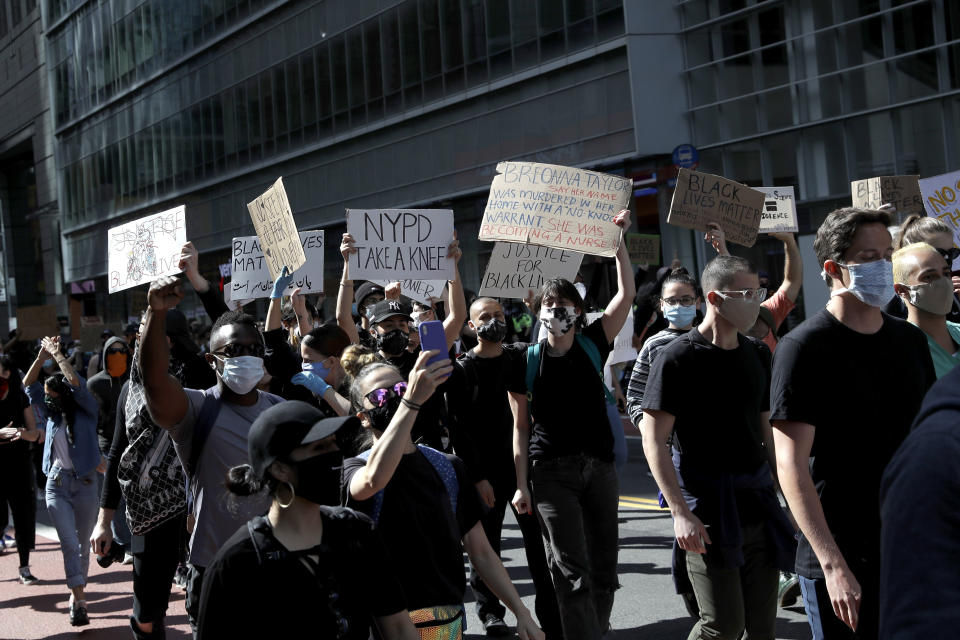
{"x": 548, "y": 613}
{"x": 734, "y": 600}
{"x": 824, "y": 623}
{"x": 17, "y": 490}
{"x": 576, "y": 499}
{"x": 155, "y": 557}
{"x": 192, "y": 604}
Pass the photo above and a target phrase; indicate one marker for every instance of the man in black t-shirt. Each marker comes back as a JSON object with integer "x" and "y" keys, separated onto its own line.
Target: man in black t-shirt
{"x": 827, "y": 398}
{"x": 710, "y": 387}
{"x": 482, "y": 411}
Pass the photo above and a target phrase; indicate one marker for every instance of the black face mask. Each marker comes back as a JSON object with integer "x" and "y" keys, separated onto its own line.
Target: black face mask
{"x": 393, "y": 342}
{"x": 318, "y": 478}
{"x": 493, "y": 331}
{"x": 380, "y": 417}
{"x": 53, "y": 405}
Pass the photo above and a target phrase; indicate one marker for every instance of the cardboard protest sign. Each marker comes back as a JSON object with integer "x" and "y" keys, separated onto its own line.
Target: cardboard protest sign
{"x": 555, "y": 206}
{"x": 145, "y": 250}
{"x": 514, "y": 269}
{"x": 703, "y": 197}
{"x": 397, "y": 244}
{"x": 941, "y": 199}
{"x": 37, "y": 322}
{"x": 644, "y": 248}
{"x": 779, "y": 210}
{"x": 276, "y": 230}
{"x": 420, "y": 290}
{"x": 251, "y": 276}
{"x": 903, "y": 192}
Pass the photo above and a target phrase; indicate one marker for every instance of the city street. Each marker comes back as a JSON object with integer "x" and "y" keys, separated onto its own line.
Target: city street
{"x": 646, "y": 607}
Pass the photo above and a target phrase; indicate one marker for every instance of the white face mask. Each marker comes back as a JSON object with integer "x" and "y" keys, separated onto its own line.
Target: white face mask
{"x": 558, "y": 320}
{"x": 242, "y": 373}
{"x": 870, "y": 282}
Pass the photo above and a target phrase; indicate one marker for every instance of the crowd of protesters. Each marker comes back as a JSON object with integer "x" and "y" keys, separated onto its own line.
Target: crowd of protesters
{"x": 332, "y": 475}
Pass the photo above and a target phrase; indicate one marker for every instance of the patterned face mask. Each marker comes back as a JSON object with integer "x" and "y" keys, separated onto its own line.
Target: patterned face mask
{"x": 558, "y": 320}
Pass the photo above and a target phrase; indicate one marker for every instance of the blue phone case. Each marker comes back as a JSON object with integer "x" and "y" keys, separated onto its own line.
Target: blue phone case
{"x": 432, "y": 337}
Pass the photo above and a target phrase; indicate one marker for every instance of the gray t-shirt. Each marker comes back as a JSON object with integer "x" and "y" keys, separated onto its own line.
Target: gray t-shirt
{"x": 219, "y": 512}
{"x": 61, "y": 451}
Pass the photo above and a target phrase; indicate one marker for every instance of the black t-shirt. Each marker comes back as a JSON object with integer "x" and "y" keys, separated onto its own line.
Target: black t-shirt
{"x": 11, "y": 410}
{"x": 478, "y": 398}
{"x": 861, "y": 393}
{"x": 256, "y": 588}
{"x": 716, "y": 397}
{"x": 428, "y": 428}
{"x": 419, "y": 529}
{"x": 569, "y": 405}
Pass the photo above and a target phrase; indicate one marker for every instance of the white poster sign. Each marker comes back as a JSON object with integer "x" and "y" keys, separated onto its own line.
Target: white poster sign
{"x": 251, "y": 275}
{"x": 397, "y": 244}
{"x": 779, "y": 210}
{"x": 420, "y": 290}
{"x": 145, "y": 250}
{"x": 515, "y": 269}
{"x": 941, "y": 199}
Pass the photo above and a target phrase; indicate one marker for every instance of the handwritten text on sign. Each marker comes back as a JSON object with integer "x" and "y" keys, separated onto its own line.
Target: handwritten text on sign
{"x": 903, "y": 192}
{"x": 276, "y": 229}
{"x": 146, "y": 249}
{"x": 779, "y": 210}
{"x": 251, "y": 278}
{"x": 941, "y": 198}
{"x": 395, "y": 244}
{"x": 703, "y": 197}
{"x": 555, "y": 206}
{"x": 420, "y": 290}
{"x": 644, "y": 248}
{"x": 515, "y": 269}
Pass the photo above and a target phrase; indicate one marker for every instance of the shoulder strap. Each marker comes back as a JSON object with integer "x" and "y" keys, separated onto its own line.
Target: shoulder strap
{"x": 209, "y": 411}
{"x": 534, "y": 354}
{"x": 594, "y": 354}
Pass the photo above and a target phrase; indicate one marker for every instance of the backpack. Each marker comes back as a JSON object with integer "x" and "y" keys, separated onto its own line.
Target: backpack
{"x": 441, "y": 465}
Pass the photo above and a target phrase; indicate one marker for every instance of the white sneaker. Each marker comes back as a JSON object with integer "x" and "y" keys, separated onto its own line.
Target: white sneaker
{"x": 26, "y": 577}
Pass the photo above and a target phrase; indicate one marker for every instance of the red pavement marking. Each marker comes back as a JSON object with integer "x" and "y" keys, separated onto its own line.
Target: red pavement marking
{"x": 42, "y": 610}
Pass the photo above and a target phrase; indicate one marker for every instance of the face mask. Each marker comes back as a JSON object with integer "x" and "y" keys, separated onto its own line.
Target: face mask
{"x": 393, "y": 342}
{"x": 493, "y": 331}
{"x": 380, "y": 417}
{"x": 242, "y": 373}
{"x": 558, "y": 320}
{"x": 870, "y": 282}
{"x": 318, "y": 478}
{"x": 316, "y": 368}
{"x": 934, "y": 297}
{"x": 116, "y": 364}
{"x": 739, "y": 312}
{"x": 53, "y": 405}
{"x": 679, "y": 314}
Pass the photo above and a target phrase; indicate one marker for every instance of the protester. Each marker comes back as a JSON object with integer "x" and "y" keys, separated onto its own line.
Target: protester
{"x": 323, "y": 567}
{"x": 824, "y": 406}
{"x": 939, "y": 235}
{"x": 421, "y": 500}
{"x": 356, "y": 357}
{"x": 569, "y": 445}
{"x": 920, "y": 549}
{"x": 16, "y": 465}
{"x": 922, "y": 278}
{"x": 71, "y": 462}
{"x": 95, "y": 365}
{"x": 720, "y": 476}
{"x": 209, "y": 429}
{"x": 367, "y": 295}
{"x": 482, "y": 410}
{"x": 679, "y": 302}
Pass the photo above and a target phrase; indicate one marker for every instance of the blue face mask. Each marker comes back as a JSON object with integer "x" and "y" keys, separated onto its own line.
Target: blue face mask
{"x": 870, "y": 282}
{"x": 679, "y": 315}
{"x": 316, "y": 368}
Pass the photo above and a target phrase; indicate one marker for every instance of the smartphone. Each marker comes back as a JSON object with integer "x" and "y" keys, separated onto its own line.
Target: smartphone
{"x": 433, "y": 338}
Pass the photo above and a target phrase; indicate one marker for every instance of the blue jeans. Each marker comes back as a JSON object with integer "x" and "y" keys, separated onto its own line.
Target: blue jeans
{"x": 73, "y": 503}
{"x": 119, "y": 526}
{"x": 824, "y": 624}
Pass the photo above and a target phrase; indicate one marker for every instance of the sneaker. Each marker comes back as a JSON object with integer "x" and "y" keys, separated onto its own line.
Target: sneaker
{"x": 180, "y": 577}
{"x": 789, "y": 590}
{"x": 78, "y": 614}
{"x": 26, "y": 577}
{"x": 9, "y": 542}
{"x": 495, "y": 627}
{"x": 127, "y": 558}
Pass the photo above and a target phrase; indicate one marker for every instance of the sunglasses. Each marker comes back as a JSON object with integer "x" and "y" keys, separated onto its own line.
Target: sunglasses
{"x": 234, "y": 350}
{"x": 379, "y": 397}
{"x": 113, "y": 351}
{"x": 950, "y": 254}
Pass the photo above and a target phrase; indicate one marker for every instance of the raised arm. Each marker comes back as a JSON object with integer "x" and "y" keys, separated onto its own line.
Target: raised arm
{"x": 792, "y": 266}
{"x": 794, "y": 441}
{"x": 619, "y": 308}
{"x": 345, "y": 293}
{"x": 456, "y": 302}
{"x": 391, "y": 445}
{"x": 52, "y": 346}
{"x": 211, "y": 299}
{"x": 276, "y": 300}
{"x": 166, "y": 401}
{"x": 304, "y": 320}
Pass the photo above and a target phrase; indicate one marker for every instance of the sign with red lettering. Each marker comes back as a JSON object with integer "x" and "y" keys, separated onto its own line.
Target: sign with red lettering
{"x": 555, "y": 206}
{"x": 396, "y": 244}
{"x": 703, "y": 197}
{"x": 941, "y": 199}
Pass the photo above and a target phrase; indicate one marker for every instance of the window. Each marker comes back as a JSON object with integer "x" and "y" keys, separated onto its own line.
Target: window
{"x": 871, "y": 143}
{"x": 920, "y": 137}
{"x": 825, "y": 164}
{"x": 410, "y": 54}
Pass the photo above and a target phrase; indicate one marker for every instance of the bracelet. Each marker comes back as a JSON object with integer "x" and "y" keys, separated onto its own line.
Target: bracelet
{"x": 409, "y": 404}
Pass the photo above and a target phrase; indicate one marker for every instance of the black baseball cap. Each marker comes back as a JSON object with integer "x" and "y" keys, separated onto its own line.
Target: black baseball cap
{"x": 284, "y": 427}
{"x": 365, "y": 290}
{"x": 387, "y": 309}
{"x": 131, "y": 330}
{"x": 106, "y": 333}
